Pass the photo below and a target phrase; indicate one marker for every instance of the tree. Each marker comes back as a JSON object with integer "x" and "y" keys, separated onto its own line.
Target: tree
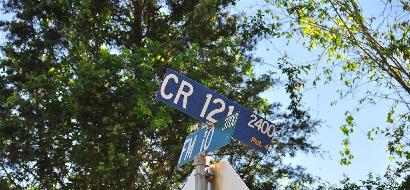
{"x": 389, "y": 180}
{"x": 78, "y": 80}
{"x": 370, "y": 54}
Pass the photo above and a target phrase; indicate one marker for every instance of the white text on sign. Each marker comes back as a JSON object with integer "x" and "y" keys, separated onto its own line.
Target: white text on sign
{"x": 189, "y": 145}
{"x": 262, "y": 125}
{"x": 186, "y": 90}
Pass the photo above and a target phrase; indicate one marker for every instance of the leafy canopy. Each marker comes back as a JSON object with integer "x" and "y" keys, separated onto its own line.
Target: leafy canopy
{"x": 78, "y": 78}
{"x": 369, "y": 54}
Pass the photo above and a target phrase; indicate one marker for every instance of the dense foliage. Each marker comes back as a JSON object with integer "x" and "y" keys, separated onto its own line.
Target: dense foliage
{"x": 77, "y": 83}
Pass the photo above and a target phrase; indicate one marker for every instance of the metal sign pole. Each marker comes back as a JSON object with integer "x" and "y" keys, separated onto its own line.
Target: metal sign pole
{"x": 201, "y": 163}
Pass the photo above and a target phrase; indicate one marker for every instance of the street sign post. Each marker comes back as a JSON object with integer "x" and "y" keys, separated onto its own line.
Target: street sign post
{"x": 204, "y": 104}
{"x": 230, "y": 119}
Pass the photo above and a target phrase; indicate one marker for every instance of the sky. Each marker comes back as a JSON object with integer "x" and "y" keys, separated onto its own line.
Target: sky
{"x": 369, "y": 156}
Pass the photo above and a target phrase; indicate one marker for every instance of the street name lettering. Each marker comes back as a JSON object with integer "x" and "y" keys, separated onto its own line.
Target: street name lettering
{"x": 206, "y": 105}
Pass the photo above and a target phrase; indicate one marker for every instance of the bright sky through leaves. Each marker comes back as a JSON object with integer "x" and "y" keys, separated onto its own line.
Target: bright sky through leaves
{"x": 369, "y": 156}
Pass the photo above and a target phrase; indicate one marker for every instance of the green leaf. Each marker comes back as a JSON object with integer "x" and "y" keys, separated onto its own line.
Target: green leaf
{"x": 390, "y": 116}
{"x": 351, "y": 66}
{"x": 369, "y": 136}
{"x": 344, "y": 129}
{"x": 13, "y": 99}
{"x": 349, "y": 120}
{"x": 346, "y": 143}
{"x": 407, "y": 155}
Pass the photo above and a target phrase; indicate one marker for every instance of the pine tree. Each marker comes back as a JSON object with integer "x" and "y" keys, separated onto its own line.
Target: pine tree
{"x": 78, "y": 80}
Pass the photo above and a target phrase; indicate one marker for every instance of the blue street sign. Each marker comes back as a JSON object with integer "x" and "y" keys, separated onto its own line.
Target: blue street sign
{"x": 204, "y": 140}
{"x": 204, "y": 104}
